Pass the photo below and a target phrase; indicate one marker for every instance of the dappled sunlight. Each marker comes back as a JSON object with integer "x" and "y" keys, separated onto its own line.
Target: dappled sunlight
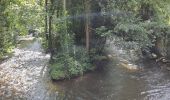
{"x": 22, "y": 71}
{"x": 84, "y": 49}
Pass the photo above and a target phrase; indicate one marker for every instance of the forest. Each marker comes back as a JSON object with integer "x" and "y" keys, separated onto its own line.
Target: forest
{"x": 69, "y": 41}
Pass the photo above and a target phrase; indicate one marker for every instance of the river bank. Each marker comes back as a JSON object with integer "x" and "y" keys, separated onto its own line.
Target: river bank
{"x": 20, "y": 73}
{"x": 26, "y": 76}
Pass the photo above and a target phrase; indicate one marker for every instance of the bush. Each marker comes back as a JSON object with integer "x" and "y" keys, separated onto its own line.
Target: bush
{"x": 67, "y": 65}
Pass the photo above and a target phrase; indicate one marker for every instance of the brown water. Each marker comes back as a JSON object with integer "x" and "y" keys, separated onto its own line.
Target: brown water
{"x": 110, "y": 82}
{"x": 113, "y": 82}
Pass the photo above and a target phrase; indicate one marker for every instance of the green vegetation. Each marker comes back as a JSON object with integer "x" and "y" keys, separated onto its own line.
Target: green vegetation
{"x": 67, "y": 65}
{"x": 5, "y": 36}
{"x": 17, "y": 18}
{"x": 90, "y": 23}
{"x": 75, "y": 32}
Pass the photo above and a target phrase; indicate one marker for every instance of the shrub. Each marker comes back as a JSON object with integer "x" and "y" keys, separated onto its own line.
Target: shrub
{"x": 67, "y": 65}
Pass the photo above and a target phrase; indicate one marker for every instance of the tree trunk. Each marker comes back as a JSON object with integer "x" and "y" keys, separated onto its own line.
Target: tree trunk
{"x": 168, "y": 50}
{"x": 46, "y": 19}
{"x": 50, "y": 34}
{"x": 87, "y": 24}
{"x": 64, "y": 5}
{"x": 50, "y": 29}
{"x": 66, "y": 33}
{"x": 160, "y": 46}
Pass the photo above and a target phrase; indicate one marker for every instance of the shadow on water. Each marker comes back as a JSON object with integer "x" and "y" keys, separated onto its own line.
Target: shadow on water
{"x": 109, "y": 82}
{"x": 112, "y": 82}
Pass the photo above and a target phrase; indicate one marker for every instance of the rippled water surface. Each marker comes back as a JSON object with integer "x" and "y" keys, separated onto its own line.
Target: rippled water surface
{"x": 25, "y": 76}
{"x": 116, "y": 83}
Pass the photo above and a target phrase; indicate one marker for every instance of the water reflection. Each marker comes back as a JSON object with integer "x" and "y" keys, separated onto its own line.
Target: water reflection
{"x": 25, "y": 76}
{"x": 116, "y": 83}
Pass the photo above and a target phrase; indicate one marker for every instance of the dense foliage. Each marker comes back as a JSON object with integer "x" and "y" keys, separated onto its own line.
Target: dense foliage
{"x": 17, "y": 18}
{"x": 143, "y": 21}
{"x": 75, "y": 31}
{"x": 91, "y": 22}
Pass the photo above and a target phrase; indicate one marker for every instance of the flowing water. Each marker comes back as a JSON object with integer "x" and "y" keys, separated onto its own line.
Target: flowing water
{"x": 112, "y": 82}
{"x": 25, "y": 76}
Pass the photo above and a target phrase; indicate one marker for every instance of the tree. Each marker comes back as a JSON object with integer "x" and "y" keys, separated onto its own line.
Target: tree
{"x": 87, "y": 23}
{"x": 46, "y": 19}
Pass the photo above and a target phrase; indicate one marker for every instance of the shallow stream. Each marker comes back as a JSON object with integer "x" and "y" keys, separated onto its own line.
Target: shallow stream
{"x": 25, "y": 76}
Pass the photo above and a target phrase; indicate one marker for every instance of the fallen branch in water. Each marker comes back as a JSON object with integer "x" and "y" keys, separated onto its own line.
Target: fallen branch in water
{"x": 163, "y": 59}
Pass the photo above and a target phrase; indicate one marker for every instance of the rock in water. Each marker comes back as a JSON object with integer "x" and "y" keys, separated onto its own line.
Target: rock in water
{"x": 129, "y": 66}
{"x": 154, "y": 56}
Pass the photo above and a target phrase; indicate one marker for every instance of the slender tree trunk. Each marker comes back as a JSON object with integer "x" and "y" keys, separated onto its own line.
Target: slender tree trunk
{"x": 50, "y": 29}
{"x": 160, "y": 46}
{"x": 65, "y": 24}
{"x": 87, "y": 25}
{"x": 168, "y": 47}
{"x": 46, "y": 19}
{"x": 64, "y": 5}
{"x": 50, "y": 36}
